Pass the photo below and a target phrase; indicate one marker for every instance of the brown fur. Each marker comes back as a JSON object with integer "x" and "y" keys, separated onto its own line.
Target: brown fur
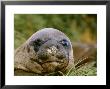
{"x": 26, "y": 58}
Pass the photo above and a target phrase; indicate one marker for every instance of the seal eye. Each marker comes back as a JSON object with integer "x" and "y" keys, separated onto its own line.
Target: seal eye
{"x": 37, "y": 43}
{"x": 64, "y": 42}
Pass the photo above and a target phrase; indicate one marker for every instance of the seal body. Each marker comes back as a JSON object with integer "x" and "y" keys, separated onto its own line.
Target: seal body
{"x": 46, "y": 51}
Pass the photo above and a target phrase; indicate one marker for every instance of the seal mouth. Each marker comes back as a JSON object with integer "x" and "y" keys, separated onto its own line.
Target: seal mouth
{"x": 53, "y": 66}
{"x": 62, "y": 61}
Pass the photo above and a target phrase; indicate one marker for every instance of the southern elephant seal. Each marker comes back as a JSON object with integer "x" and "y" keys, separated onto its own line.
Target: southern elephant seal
{"x": 46, "y": 51}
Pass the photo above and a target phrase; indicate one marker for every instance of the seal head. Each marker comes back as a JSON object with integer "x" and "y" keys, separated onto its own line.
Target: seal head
{"x": 50, "y": 49}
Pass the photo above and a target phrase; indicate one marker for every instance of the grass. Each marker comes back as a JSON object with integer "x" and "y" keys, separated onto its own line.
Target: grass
{"x": 86, "y": 70}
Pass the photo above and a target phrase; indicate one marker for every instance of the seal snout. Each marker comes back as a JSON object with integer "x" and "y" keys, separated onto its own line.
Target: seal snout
{"x": 52, "y": 57}
{"x": 51, "y": 53}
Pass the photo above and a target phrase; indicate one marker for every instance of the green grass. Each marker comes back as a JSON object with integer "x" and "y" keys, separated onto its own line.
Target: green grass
{"x": 86, "y": 70}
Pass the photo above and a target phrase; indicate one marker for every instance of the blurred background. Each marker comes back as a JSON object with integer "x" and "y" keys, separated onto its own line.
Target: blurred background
{"x": 80, "y": 28}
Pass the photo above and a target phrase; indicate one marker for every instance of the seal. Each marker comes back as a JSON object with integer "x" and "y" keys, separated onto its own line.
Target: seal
{"x": 46, "y": 51}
